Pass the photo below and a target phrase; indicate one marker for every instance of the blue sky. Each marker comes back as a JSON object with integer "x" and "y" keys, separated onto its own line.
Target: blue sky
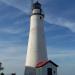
{"x": 59, "y": 31}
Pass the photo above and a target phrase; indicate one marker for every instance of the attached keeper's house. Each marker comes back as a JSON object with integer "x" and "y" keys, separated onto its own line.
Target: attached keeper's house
{"x": 46, "y": 68}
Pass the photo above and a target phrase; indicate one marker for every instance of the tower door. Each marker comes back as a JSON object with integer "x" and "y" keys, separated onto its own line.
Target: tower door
{"x": 49, "y": 71}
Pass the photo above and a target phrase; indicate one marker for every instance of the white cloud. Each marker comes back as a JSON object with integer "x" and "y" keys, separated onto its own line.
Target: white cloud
{"x": 56, "y": 53}
{"x": 10, "y": 30}
{"x": 21, "y": 5}
{"x": 51, "y": 19}
{"x": 12, "y": 56}
{"x": 12, "y": 52}
{"x": 61, "y": 22}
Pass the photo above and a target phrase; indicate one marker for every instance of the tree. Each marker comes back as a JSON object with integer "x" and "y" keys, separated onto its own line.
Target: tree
{"x": 2, "y": 73}
{"x": 1, "y": 68}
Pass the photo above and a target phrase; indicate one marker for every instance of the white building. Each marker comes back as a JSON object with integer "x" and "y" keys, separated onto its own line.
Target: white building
{"x": 37, "y": 62}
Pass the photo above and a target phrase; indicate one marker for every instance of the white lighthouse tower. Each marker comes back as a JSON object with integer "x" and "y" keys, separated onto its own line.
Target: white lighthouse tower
{"x": 36, "y": 58}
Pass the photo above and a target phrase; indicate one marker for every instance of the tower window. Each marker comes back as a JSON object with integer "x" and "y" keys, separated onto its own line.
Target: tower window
{"x": 40, "y": 17}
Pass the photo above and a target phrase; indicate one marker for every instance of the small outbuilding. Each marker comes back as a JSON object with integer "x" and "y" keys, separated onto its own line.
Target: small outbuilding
{"x": 46, "y": 68}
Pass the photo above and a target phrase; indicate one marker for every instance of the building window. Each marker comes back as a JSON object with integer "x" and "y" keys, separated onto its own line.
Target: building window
{"x": 49, "y": 71}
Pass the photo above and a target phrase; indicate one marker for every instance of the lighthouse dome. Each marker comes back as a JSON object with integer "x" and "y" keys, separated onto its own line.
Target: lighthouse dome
{"x": 37, "y": 5}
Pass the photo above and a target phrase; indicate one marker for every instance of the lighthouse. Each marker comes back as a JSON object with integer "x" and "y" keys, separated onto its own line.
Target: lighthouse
{"x": 37, "y": 62}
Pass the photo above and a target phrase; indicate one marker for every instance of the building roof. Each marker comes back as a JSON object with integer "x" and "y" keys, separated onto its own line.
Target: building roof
{"x": 43, "y": 63}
